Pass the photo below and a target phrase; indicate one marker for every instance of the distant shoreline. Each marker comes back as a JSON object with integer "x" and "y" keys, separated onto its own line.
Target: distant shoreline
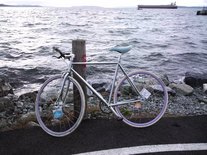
{"x": 5, "y": 5}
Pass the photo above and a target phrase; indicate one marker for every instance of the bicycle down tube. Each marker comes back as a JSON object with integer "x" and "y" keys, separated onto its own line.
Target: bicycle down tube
{"x": 113, "y": 85}
{"x": 90, "y": 87}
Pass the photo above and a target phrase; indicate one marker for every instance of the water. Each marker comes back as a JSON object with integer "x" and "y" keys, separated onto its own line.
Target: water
{"x": 168, "y": 42}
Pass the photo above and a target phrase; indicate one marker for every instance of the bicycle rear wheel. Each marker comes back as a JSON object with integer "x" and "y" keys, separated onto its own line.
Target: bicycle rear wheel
{"x": 141, "y": 99}
{"x": 55, "y": 109}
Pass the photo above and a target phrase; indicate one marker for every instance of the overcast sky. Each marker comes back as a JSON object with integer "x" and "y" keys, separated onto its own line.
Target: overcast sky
{"x": 104, "y": 3}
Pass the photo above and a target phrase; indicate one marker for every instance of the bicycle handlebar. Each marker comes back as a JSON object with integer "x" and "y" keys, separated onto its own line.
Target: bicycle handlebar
{"x": 69, "y": 56}
{"x": 62, "y": 55}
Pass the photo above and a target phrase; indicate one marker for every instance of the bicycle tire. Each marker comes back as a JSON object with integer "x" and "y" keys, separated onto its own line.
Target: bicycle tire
{"x": 145, "y": 107}
{"x": 47, "y": 99}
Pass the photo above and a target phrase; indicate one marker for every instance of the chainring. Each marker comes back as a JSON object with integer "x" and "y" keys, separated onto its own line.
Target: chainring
{"x": 104, "y": 108}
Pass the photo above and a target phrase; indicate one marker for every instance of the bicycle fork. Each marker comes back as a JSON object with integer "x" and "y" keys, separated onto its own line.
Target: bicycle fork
{"x": 59, "y": 104}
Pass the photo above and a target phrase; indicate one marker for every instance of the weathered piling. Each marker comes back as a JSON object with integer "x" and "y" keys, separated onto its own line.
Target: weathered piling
{"x": 79, "y": 49}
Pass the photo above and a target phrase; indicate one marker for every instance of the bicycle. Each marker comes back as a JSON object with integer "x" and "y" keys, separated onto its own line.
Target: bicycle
{"x": 140, "y": 98}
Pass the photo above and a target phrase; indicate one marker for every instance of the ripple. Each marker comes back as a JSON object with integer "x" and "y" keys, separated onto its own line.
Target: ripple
{"x": 163, "y": 41}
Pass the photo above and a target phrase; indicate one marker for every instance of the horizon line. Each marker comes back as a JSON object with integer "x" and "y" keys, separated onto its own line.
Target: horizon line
{"x": 36, "y": 5}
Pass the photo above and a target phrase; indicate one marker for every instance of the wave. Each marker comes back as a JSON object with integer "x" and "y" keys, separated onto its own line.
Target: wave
{"x": 192, "y": 54}
{"x": 13, "y": 56}
{"x": 120, "y": 32}
{"x": 4, "y": 21}
{"x": 92, "y": 70}
{"x": 74, "y": 25}
{"x": 204, "y": 41}
{"x": 154, "y": 57}
{"x": 30, "y": 25}
{"x": 190, "y": 43}
{"x": 146, "y": 18}
{"x": 20, "y": 76}
{"x": 188, "y": 60}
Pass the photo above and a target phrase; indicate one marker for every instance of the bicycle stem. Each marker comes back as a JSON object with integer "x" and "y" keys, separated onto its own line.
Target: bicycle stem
{"x": 71, "y": 62}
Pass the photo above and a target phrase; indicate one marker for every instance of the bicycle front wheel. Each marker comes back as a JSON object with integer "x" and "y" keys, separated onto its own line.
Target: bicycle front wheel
{"x": 55, "y": 109}
{"x": 140, "y": 99}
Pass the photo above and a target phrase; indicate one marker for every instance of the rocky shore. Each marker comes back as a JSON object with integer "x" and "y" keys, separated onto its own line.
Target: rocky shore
{"x": 187, "y": 97}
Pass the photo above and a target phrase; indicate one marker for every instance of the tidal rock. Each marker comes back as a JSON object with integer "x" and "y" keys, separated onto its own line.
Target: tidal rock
{"x": 205, "y": 88}
{"x": 6, "y": 104}
{"x": 3, "y": 123}
{"x": 165, "y": 79}
{"x": 19, "y": 104}
{"x": 183, "y": 89}
{"x": 31, "y": 124}
{"x": 100, "y": 86}
{"x": 28, "y": 97}
{"x": 24, "y": 119}
{"x": 158, "y": 88}
{"x": 195, "y": 79}
{"x": 5, "y": 88}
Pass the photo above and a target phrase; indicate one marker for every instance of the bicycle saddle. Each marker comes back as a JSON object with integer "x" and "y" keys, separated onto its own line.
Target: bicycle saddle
{"x": 121, "y": 49}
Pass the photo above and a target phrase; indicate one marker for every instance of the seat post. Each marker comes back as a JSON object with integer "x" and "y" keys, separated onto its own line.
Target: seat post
{"x": 119, "y": 59}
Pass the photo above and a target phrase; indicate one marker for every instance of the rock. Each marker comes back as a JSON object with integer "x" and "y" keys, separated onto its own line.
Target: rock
{"x": 195, "y": 79}
{"x": 101, "y": 86}
{"x": 24, "y": 119}
{"x": 165, "y": 79}
{"x": 31, "y": 124}
{"x": 2, "y": 114}
{"x": 159, "y": 89}
{"x": 97, "y": 85}
{"x": 183, "y": 89}
{"x": 205, "y": 88}
{"x": 3, "y": 123}
{"x": 19, "y": 104}
{"x": 6, "y": 104}
{"x": 12, "y": 97}
{"x": 24, "y": 111}
{"x": 5, "y": 88}
{"x": 29, "y": 97}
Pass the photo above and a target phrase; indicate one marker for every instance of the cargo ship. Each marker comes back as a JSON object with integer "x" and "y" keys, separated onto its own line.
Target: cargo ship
{"x": 170, "y": 6}
{"x": 202, "y": 12}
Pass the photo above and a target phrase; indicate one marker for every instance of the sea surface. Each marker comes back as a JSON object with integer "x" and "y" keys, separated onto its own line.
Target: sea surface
{"x": 170, "y": 42}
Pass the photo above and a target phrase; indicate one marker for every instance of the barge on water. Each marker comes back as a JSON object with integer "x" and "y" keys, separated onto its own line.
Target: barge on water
{"x": 202, "y": 12}
{"x": 170, "y": 6}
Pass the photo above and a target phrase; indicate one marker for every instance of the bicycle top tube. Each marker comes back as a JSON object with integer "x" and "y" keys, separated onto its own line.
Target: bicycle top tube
{"x": 95, "y": 63}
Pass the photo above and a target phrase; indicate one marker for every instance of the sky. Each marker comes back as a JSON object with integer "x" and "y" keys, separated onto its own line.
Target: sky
{"x": 104, "y": 3}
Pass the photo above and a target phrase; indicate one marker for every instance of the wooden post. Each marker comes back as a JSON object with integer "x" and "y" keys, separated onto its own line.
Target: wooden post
{"x": 79, "y": 49}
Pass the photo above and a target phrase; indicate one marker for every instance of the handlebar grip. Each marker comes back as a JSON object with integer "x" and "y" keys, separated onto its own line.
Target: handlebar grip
{"x": 62, "y": 55}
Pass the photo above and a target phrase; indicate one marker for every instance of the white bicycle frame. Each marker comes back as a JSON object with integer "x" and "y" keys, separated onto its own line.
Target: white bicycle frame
{"x": 118, "y": 65}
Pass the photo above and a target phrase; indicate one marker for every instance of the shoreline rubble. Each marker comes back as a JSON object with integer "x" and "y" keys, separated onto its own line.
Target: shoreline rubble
{"x": 187, "y": 98}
